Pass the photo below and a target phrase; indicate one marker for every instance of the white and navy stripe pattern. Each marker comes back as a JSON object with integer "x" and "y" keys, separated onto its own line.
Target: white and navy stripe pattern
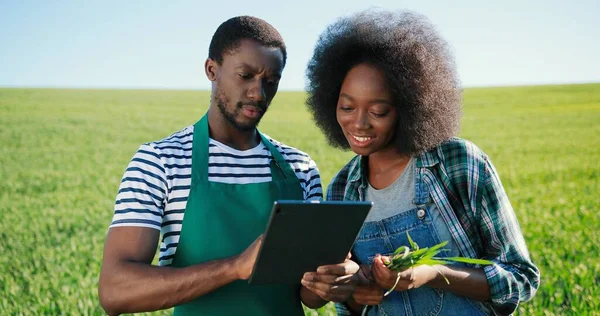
{"x": 156, "y": 184}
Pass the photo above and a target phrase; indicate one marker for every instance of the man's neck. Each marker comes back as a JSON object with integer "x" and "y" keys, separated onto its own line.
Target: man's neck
{"x": 224, "y": 132}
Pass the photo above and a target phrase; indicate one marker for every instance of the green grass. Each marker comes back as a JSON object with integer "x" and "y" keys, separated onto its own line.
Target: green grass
{"x": 63, "y": 153}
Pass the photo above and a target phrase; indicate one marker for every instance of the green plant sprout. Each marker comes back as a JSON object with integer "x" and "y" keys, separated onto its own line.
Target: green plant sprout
{"x": 411, "y": 256}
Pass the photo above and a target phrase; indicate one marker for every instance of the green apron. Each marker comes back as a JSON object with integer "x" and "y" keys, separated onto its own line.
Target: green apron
{"x": 221, "y": 220}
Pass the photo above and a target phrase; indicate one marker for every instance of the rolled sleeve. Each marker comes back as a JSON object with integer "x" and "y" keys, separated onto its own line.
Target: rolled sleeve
{"x": 513, "y": 278}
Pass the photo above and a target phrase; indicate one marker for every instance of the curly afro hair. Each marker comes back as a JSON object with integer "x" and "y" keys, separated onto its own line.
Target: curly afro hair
{"x": 418, "y": 67}
{"x": 228, "y": 35}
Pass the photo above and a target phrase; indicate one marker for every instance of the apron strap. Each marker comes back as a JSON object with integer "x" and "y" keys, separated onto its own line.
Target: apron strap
{"x": 200, "y": 150}
{"x": 277, "y": 162}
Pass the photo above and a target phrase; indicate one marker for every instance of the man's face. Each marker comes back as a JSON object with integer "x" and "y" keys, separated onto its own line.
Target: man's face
{"x": 246, "y": 82}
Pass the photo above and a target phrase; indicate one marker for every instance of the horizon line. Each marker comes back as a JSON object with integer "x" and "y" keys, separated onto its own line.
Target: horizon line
{"x": 197, "y": 89}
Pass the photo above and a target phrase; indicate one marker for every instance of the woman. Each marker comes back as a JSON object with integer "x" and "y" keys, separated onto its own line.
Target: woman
{"x": 385, "y": 86}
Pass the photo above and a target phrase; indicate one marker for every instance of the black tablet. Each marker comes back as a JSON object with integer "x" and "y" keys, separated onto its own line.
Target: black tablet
{"x": 303, "y": 235}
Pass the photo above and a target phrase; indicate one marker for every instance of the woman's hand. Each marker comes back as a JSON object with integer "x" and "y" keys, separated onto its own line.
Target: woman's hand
{"x": 410, "y": 278}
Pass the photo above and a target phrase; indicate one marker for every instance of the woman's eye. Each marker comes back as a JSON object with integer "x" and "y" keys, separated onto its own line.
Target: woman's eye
{"x": 380, "y": 114}
{"x": 345, "y": 108}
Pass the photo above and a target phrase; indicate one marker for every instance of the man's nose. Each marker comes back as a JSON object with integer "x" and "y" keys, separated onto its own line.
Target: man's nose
{"x": 257, "y": 92}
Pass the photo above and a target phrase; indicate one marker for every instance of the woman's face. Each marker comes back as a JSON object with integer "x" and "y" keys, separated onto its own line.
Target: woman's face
{"x": 365, "y": 111}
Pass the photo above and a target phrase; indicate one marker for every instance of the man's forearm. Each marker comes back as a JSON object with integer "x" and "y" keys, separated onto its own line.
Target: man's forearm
{"x": 354, "y": 307}
{"x": 137, "y": 287}
{"x": 311, "y": 299}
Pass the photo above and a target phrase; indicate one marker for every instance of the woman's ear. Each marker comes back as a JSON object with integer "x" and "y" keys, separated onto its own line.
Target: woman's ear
{"x": 210, "y": 68}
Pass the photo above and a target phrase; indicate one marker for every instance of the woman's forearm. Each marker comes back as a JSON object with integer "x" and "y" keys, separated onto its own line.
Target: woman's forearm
{"x": 463, "y": 281}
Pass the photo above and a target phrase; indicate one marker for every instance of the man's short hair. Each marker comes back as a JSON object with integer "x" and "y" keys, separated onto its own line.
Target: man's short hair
{"x": 231, "y": 32}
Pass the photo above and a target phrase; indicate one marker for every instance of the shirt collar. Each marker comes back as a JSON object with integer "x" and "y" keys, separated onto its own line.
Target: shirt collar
{"x": 424, "y": 160}
{"x": 356, "y": 169}
{"x": 428, "y": 159}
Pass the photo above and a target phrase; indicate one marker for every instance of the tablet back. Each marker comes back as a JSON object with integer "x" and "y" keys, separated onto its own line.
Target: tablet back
{"x": 302, "y": 236}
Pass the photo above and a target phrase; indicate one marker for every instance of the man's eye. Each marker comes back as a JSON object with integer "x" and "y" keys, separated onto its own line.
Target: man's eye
{"x": 245, "y": 76}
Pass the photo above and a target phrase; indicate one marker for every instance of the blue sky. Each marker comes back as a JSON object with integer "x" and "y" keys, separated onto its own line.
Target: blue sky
{"x": 163, "y": 44}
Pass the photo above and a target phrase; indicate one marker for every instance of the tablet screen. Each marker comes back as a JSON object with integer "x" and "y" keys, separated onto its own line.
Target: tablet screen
{"x": 303, "y": 235}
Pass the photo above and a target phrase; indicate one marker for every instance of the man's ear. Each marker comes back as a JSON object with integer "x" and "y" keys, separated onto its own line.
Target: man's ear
{"x": 210, "y": 68}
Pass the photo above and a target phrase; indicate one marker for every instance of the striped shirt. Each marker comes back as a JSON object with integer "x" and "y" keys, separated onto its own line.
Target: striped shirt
{"x": 156, "y": 184}
{"x": 465, "y": 186}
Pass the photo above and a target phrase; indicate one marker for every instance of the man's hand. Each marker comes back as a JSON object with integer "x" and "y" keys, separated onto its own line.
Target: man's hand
{"x": 371, "y": 294}
{"x": 244, "y": 263}
{"x": 334, "y": 282}
{"x": 410, "y": 278}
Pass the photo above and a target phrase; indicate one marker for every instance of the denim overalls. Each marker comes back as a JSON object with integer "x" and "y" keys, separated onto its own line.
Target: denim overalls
{"x": 384, "y": 236}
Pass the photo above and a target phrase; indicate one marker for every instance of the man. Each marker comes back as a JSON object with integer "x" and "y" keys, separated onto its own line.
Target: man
{"x": 209, "y": 189}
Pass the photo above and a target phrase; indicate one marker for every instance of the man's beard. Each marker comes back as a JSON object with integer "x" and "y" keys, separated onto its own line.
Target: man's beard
{"x": 223, "y": 101}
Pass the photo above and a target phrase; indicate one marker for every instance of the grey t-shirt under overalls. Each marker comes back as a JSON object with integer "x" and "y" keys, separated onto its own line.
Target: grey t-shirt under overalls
{"x": 405, "y": 207}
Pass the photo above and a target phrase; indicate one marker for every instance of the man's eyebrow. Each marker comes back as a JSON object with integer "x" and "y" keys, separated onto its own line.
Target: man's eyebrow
{"x": 245, "y": 65}
{"x": 251, "y": 68}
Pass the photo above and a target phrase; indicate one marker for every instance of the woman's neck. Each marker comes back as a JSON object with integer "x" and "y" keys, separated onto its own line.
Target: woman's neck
{"x": 385, "y": 167}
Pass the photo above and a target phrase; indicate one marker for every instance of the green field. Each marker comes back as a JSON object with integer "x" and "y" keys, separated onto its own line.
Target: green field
{"x": 63, "y": 153}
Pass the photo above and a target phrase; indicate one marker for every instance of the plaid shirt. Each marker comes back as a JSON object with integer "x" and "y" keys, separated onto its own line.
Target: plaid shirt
{"x": 466, "y": 188}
